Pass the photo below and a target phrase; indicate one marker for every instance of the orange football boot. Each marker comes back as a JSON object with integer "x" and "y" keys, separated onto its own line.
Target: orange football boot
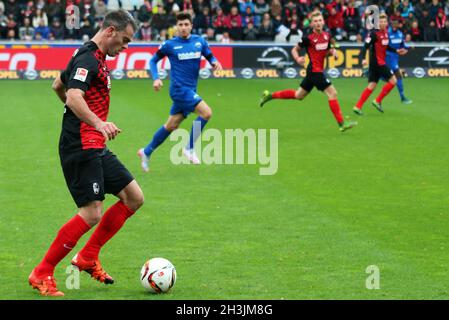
{"x": 45, "y": 285}
{"x": 92, "y": 267}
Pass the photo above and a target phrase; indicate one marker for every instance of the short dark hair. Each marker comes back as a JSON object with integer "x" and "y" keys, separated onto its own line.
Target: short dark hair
{"x": 120, "y": 19}
{"x": 183, "y": 16}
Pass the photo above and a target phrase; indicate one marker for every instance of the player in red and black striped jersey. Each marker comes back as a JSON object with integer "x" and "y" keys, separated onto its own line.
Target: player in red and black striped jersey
{"x": 90, "y": 169}
{"x": 377, "y": 43}
{"x": 318, "y": 46}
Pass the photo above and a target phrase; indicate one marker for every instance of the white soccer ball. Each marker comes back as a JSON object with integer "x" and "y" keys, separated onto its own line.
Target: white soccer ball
{"x": 158, "y": 275}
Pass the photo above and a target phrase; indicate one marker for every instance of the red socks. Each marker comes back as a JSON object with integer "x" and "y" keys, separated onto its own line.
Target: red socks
{"x": 65, "y": 241}
{"x": 364, "y": 96}
{"x": 385, "y": 90}
{"x": 284, "y": 94}
{"x": 111, "y": 222}
{"x": 335, "y": 108}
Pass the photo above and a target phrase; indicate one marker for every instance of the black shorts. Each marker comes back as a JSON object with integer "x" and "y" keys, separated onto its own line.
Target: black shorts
{"x": 92, "y": 173}
{"x": 379, "y": 72}
{"x": 315, "y": 79}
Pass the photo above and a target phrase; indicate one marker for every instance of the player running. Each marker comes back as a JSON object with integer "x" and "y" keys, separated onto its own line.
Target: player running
{"x": 318, "y": 46}
{"x": 378, "y": 43}
{"x": 184, "y": 53}
{"x": 90, "y": 169}
{"x": 397, "y": 42}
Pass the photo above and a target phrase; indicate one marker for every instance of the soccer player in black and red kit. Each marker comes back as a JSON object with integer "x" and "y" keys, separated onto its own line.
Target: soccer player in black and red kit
{"x": 318, "y": 46}
{"x": 377, "y": 42}
{"x": 90, "y": 169}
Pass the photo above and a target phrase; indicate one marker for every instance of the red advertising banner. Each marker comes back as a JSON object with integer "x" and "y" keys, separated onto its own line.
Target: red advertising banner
{"x": 56, "y": 57}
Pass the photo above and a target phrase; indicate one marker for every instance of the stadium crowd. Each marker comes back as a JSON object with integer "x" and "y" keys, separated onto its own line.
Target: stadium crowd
{"x": 219, "y": 20}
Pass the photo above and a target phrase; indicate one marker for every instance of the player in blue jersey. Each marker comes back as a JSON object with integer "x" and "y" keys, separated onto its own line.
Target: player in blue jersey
{"x": 184, "y": 53}
{"x": 397, "y": 42}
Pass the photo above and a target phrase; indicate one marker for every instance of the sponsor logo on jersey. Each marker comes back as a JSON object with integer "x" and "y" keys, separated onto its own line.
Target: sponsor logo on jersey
{"x": 177, "y": 47}
{"x": 321, "y": 46}
{"x": 198, "y": 45}
{"x": 81, "y": 74}
{"x": 396, "y": 41}
{"x": 189, "y": 55}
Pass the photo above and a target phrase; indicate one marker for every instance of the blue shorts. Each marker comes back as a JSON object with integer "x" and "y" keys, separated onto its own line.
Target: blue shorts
{"x": 184, "y": 101}
{"x": 392, "y": 62}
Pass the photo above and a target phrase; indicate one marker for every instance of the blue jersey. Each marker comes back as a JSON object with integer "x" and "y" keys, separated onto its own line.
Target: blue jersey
{"x": 396, "y": 41}
{"x": 185, "y": 57}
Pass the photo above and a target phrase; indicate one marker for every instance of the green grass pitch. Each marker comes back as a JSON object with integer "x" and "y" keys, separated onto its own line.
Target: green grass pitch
{"x": 375, "y": 195}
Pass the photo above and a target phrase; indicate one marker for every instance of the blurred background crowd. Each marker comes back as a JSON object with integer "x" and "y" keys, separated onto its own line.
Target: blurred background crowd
{"x": 220, "y": 20}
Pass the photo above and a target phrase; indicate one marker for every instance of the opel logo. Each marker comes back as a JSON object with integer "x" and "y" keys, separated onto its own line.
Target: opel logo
{"x": 419, "y": 72}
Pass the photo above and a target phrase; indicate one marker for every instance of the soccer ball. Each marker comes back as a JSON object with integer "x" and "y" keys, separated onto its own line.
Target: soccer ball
{"x": 158, "y": 275}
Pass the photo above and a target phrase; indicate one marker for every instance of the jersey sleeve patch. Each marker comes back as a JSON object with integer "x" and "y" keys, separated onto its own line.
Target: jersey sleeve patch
{"x": 81, "y": 74}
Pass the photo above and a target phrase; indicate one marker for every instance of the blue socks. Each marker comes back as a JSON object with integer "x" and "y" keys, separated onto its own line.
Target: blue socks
{"x": 158, "y": 138}
{"x": 401, "y": 88}
{"x": 197, "y": 128}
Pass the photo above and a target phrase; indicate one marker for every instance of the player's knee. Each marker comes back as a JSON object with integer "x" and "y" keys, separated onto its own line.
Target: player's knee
{"x": 207, "y": 115}
{"x": 170, "y": 127}
{"x": 299, "y": 96}
{"x": 136, "y": 201}
{"x": 133, "y": 200}
{"x": 92, "y": 213}
{"x": 393, "y": 80}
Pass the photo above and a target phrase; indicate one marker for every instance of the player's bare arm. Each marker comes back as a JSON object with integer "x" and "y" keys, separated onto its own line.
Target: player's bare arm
{"x": 59, "y": 88}
{"x": 295, "y": 53}
{"x": 75, "y": 101}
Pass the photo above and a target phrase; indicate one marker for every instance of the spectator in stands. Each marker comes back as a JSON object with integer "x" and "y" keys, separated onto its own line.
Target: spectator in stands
{"x": 55, "y": 9}
{"x": 43, "y": 31}
{"x": 100, "y": 9}
{"x": 249, "y": 17}
{"x": 171, "y": 5}
{"x": 2, "y": 6}
{"x": 227, "y": 5}
{"x": 210, "y": 34}
{"x": 415, "y": 32}
{"x": 11, "y": 35}
{"x": 40, "y": 19}
{"x": 12, "y": 24}
{"x": 159, "y": 20}
{"x": 440, "y": 19}
{"x": 86, "y": 29}
{"x": 244, "y": 4}
{"x": 434, "y": 8}
{"x": 199, "y": 5}
{"x": 406, "y": 8}
{"x": 352, "y": 22}
{"x": 431, "y": 32}
{"x": 202, "y": 21}
{"x": 145, "y": 11}
{"x": 219, "y": 21}
{"x": 144, "y": 33}
{"x": 234, "y": 21}
{"x": 3, "y": 24}
{"x": 250, "y": 32}
{"x": 421, "y": 6}
{"x": 266, "y": 30}
{"x": 226, "y": 38}
{"x": 444, "y": 33}
{"x": 56, "y": 29}
{"x": 335, "y": 23}
{"x": 27, "y": 11}
{"x": 276, "y": 8}
{"x": 424, "y": 20}
{"x": 214, "y": 5}
{"x": 260, "y": 8}
{"x": 26, "y": 32}
{"x": 40, "y": 5}
{"x": 12, "y": 7}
